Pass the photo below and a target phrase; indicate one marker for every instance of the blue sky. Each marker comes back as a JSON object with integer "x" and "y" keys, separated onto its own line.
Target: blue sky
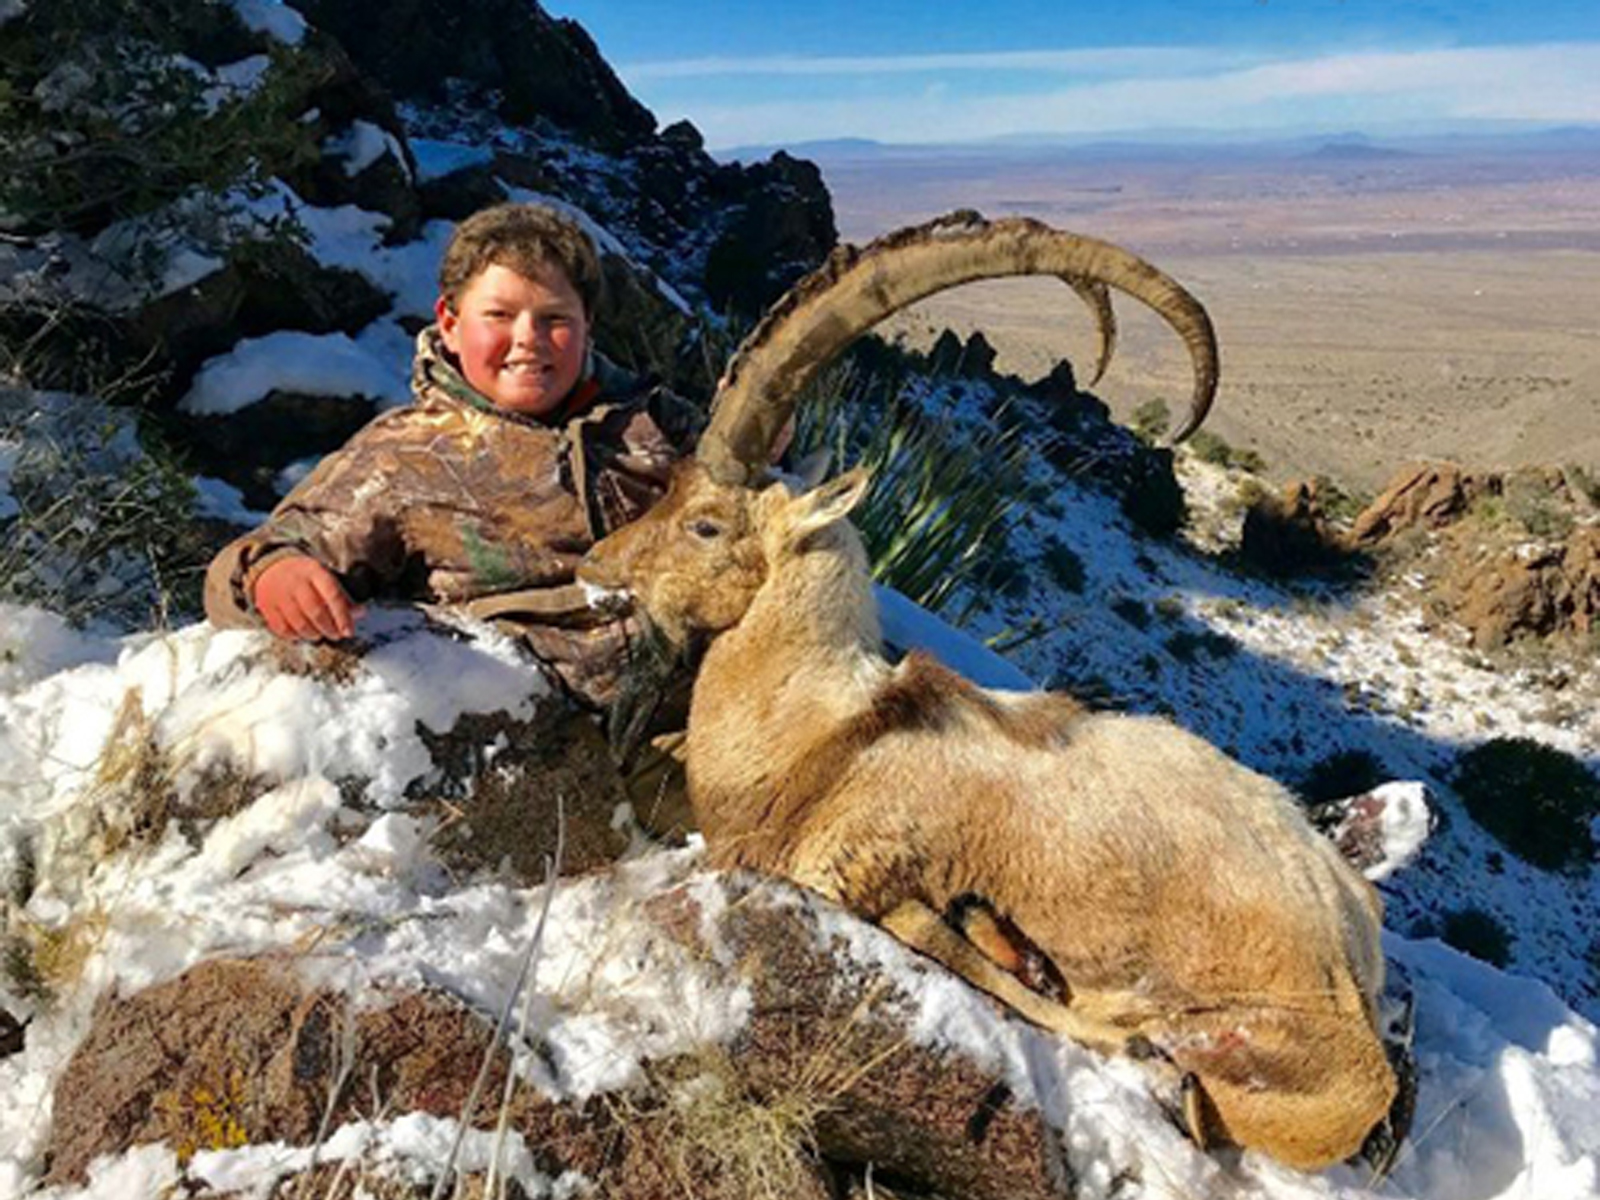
{"x": 901, "y": 71}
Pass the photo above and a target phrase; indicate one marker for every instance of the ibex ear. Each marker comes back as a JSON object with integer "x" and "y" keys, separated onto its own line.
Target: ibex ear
{"x": 812, "y": 469}
{"x": 831, "y": 502}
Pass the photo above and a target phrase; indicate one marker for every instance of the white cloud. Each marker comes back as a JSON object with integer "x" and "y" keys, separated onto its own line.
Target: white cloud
{"x": 1108, "y": 60}
{"x": 1554, "y": 82}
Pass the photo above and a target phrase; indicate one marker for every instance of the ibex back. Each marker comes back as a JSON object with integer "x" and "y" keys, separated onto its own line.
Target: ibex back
{"x": 1112, "y": 877}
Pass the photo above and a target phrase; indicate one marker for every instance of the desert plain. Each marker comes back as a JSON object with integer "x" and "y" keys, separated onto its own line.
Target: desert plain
{"x": 1374, "y": 306}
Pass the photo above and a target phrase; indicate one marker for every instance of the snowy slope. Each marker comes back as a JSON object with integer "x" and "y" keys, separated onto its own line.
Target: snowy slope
{"x": 1510, "y": 1080}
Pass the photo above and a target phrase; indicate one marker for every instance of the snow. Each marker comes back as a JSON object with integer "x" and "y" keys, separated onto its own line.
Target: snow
{"x": 361, "y": 145}
{"x": 10, "y": 452}
{"x": 1509, "y": 1102}
{"x": 352, "y": 238}
{"x": 329, "y": 364}
{"x": 10, "y": 9}
{"x": 906, "y": 625}
{"x": 273, "y": 18}
{"x": 436, "y": 159}
{"x": 219, "y": 499}
{"x": 35, "y": 643}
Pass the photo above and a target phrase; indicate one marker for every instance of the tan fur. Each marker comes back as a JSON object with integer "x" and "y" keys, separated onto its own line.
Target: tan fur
{"x": 1182, "y": 898}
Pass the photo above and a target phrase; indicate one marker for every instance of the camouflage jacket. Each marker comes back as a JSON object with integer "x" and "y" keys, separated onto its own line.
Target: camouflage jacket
{"x": 451, "y": 500}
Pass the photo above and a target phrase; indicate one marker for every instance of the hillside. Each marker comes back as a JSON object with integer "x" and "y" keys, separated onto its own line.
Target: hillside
{"x": 264, "y": 910}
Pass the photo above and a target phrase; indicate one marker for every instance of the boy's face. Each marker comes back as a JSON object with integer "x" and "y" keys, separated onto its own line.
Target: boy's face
{"x": 521, "y": 341}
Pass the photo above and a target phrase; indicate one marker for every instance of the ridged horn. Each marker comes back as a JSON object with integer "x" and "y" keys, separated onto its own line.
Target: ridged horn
{"x": 856, "y": 288}
{"x": 1098, "y": 297}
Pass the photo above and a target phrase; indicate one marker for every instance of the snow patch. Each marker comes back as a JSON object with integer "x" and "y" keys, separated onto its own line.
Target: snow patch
{"x": 329, "y": 364}
{"x": 363, "y": 144}
{"x": 436, "y": 159}
{"x": 272, "y": 17}
{"x": 10, "y": 452}
{"x": 220, "y": 499}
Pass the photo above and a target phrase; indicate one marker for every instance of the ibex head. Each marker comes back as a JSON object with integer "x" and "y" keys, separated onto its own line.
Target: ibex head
{"x": 694, "y": 563}
{"x": 696, "y": 560}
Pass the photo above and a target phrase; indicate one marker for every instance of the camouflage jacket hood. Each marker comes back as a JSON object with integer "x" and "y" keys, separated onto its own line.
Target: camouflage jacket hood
{"x": 451, "y": 500}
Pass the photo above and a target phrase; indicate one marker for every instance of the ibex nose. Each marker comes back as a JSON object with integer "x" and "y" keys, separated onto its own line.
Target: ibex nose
{"x": 602, "y": 589}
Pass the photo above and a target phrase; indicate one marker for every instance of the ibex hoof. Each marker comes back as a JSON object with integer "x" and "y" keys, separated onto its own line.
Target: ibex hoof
{"x": 1194, "y": 1111}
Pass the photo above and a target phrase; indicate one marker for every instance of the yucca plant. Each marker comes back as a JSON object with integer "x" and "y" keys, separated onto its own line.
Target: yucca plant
{"x": 944, "y": 495}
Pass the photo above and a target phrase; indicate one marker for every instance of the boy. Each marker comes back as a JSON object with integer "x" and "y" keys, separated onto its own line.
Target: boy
{"x": 522, "y": 449}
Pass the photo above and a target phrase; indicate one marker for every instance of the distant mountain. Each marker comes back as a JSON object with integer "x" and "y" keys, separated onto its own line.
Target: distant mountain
{"x": 821, "y": 148}
{"x": 1347, "y": 151}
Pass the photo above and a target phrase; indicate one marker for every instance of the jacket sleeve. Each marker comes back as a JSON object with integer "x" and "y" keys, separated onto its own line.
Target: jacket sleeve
{"x": 343, "y": 514}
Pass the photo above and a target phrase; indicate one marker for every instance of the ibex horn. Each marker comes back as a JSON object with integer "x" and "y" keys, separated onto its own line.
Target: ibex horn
{"x": 857, "y": 288}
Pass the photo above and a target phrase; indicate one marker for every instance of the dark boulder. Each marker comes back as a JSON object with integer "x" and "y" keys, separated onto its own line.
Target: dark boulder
{"x": 537, "y": 65}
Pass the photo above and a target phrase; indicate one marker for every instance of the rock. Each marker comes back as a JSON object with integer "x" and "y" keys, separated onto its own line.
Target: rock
{"x": 456, "y": 196}
{"x": 262, "y": 288}
{"x": 252, "y": 1051}
{"x": 11, "y": 1034}
{"x": 241, "y": 1051}
{"x": 1287, "y": 535}
{"x": 934, "y": 1118}
{"x": 250, "y": 447}
{"x": 784, "y": 229}
{"x": 506, "y": 779}
{"x": 1426, "y": 495}
{"x": 538, "y": 65}
{"x": 1534, "y": 589}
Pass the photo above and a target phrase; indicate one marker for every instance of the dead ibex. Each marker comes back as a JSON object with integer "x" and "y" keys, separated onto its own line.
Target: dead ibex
{"x": 1110, "y": 876}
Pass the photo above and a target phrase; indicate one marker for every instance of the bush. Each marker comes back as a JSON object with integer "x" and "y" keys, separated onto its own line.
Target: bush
{"x": 1209, "y": 448}
{"x": 94, "y": 524}
{"x": 1151, "y": 421}
{"x": 936, "y": 522}
{"x": 1535, "y": 800}
{"x": 1475, "y": 932}
{"x": 1064, "y": 565}
{"x": 1529, "y": 501}
{"x": 1151, "y": 497}
{"x": 1187, "y": 644}
{"x": 103, "y": 115}
{"x": 1339, "y": 775}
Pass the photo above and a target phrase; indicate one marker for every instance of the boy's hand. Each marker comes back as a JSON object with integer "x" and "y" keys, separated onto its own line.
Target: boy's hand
{"x": 300, "y": 598}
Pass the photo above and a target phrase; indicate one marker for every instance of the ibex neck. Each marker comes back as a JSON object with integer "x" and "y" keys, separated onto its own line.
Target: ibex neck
{"x": 806, "y": 656}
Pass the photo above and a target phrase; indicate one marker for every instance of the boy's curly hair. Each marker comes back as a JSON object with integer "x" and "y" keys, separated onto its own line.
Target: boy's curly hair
{"x": 528, "y": 238}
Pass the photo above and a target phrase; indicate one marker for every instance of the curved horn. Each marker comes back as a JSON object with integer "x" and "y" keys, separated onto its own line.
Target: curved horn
{"x": 1098, "y": 297}
{"x": 857, "y": 288}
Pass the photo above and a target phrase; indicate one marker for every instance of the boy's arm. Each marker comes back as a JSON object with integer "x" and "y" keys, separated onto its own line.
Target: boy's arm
{"x": 338, "y": 516}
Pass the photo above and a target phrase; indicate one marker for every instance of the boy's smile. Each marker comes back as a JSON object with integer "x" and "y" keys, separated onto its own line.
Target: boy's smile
{"x": 520, "y": 340}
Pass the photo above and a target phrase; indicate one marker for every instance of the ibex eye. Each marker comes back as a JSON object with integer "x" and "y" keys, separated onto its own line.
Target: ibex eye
{"x": 705, "y": 529}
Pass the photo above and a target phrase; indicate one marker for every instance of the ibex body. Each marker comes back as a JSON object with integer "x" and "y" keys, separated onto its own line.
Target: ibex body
{"x": 1110, "y": 876}
{"x": 1159, "y": 888}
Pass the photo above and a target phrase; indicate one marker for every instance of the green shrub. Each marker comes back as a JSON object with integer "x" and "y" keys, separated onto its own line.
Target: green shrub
{"x": 1537, "y": 801}
{"x": 1151, "y": 497}
{"x": 1151, "y": 420}
{"x": 1131, "y": 611}
{"x": 102, "y": 115}
{"x": 1341, "y": 774}
{"x": 101, "y": 523}
{"x": 1337, "y": 504}
{"x": 943, "y": 498}
{"x": 1188, "y": 644}
{"x": 1063, "y": 564}
{"x": 1475, "y": 932}
{"x": 1530, "y": 503}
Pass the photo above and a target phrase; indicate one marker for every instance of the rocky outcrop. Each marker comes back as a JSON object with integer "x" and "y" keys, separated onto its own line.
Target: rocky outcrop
{"x": 251, "y": 1051}
{"x": 1420, "y": 496}
{"x": 1288, "y": 536}
{"x": 1512, "y": 554}
{"x": 1534, "y": 590}
{"x": 537, "y": 66}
